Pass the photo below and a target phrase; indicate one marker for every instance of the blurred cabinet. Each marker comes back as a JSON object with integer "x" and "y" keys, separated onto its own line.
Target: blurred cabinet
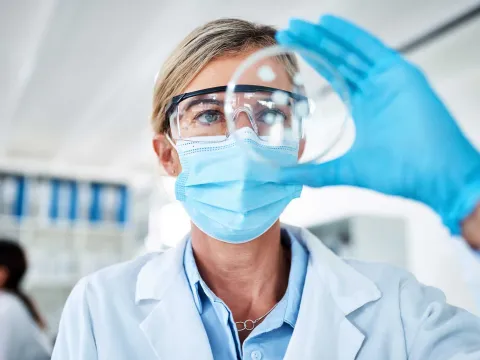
{"x": 68, "y": 228}
{"x": 60, "y": 253}
{"x": 61, "y": 199}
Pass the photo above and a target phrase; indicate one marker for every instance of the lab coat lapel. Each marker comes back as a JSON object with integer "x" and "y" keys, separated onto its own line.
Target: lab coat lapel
{"x": 322, "y": 331}
{"x": 173, "y": 325}
{"x": 332, "y": 290}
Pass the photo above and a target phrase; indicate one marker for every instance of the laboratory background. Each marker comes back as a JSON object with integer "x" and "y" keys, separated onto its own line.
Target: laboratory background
{"x": 81, "y": 189}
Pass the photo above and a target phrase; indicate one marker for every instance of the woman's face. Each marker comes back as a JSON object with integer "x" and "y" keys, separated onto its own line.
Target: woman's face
{"x": 218, "y": 73}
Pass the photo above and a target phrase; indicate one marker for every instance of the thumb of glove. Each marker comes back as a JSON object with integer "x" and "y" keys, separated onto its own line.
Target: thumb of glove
{"x": 340, "y": 171}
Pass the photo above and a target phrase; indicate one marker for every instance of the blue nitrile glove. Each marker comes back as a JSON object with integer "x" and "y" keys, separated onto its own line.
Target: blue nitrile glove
{"x": 407, "y": 143}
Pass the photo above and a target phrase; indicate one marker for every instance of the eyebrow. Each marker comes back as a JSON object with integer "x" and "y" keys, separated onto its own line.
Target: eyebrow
{"x": 194, "y": 102}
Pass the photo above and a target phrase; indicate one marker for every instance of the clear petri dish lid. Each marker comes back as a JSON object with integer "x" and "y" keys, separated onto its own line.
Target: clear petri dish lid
{"x": 289, "y": 97}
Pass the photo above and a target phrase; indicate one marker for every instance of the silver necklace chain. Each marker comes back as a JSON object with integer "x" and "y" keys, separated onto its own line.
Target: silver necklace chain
{"x": 250, "y": 324}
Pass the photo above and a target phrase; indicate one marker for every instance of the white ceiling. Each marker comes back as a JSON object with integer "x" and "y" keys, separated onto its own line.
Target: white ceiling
{"x": 76, "y": 77}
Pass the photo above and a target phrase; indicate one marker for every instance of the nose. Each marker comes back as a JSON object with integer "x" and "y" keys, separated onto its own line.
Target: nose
{"x": 243, "y": 118}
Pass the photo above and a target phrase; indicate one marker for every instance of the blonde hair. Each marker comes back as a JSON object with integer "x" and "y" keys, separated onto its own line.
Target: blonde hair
{"x": 212, "y": 40}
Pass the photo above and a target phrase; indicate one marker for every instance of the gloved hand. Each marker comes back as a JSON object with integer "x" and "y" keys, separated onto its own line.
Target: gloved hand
{"x": 407, "y": 143}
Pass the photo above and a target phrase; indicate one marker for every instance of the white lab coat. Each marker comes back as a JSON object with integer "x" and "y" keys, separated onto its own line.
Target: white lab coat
{"x": 144, "y": 309}
{"x": 20, "y": 337}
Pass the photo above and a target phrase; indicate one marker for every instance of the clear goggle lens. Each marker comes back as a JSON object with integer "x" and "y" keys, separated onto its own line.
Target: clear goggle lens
{"x": 266, "y": 110}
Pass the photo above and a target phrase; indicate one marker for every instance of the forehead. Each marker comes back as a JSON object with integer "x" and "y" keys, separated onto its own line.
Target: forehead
{"x": 219, "y": 72}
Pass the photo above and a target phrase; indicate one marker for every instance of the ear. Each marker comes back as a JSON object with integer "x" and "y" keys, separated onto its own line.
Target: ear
{"x": 3, "y": 276}
{"x": 167, "y": 155}
{"x": 301, "y": 147}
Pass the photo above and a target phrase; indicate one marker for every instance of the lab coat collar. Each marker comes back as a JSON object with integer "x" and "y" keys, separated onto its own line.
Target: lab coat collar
{"x": 159, "y": 273}
{"x": 172, "y": 325}
{"x": 349, "y": 288}
{"x": 332, "y": 290}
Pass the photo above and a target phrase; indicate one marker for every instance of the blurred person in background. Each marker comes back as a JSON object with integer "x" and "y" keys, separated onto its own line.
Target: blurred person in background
{"x": 243, "y": 286}
{"x": 22, "y": 334}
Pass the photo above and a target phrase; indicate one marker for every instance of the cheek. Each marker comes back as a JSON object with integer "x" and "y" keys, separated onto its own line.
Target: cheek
{"x": 301, "y": 148}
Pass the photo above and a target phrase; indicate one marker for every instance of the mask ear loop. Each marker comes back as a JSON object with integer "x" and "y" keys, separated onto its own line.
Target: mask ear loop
{"x": 169, "y": 139}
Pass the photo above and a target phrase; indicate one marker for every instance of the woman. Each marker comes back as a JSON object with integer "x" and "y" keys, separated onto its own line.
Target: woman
{"x": 241, "y": 285}
{"x": 21, "y": 326}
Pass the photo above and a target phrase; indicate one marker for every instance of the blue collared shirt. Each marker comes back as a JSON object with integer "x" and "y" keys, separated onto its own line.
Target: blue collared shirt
{"x": 269, "y": 340}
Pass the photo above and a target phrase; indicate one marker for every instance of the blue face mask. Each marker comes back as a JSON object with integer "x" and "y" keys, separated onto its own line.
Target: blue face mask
{"x": 227, "y": 193}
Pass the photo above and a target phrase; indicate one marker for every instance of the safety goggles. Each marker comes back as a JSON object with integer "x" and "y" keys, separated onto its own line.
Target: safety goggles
{"x": 208, "y": 115}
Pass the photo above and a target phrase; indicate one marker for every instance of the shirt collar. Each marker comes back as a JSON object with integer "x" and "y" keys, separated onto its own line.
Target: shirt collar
{"x": 296, "y": 279}
{"x": 193, "y": 275}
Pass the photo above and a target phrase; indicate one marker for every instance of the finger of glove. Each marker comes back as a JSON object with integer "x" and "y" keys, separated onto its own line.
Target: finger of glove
{"x": 322, "y": 39}
{"x": 367, "y": 46}
{"x": 336, "y": 172}
{"x": 288, "y": 39}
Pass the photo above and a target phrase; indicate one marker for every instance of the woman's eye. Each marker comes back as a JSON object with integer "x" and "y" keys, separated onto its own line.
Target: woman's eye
{"x": 209, "y": 117}
{"x": 272, "y": 116}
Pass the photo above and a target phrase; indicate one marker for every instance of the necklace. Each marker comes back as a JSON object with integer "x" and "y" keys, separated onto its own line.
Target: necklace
{"x": 250, "y": 324}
